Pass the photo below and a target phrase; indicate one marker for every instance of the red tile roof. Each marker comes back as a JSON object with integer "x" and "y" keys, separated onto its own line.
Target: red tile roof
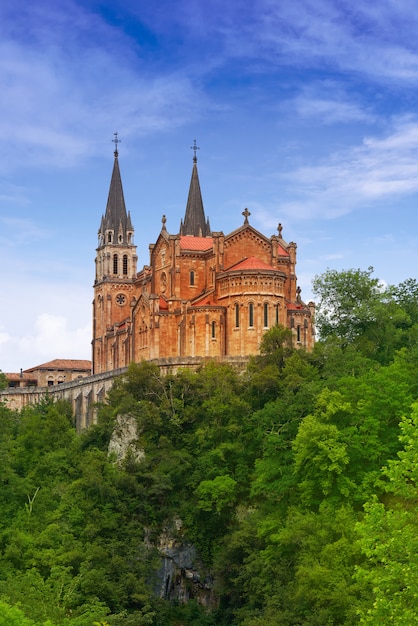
{"x": 205, "y": 301}
{"x": 251, "y": 263}
{"x": 187, "y": 242}
{"x": 281, "y": 251}
{"x": 163, "y": 304}
{"x": 62, "y": 364}
{"x": 15, "y": 376}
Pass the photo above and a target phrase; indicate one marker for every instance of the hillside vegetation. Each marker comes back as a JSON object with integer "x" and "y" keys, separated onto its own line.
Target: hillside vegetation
{"x": 294, "y": 481}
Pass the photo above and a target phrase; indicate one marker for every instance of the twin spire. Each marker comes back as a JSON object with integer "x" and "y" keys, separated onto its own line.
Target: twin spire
{"x": 195, "y": 223}
{"x": 116, "y": 225}
{"x": 117, "y": 221}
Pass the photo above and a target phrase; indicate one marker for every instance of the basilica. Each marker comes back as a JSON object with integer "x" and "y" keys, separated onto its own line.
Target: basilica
{"x": 204, "y": 293}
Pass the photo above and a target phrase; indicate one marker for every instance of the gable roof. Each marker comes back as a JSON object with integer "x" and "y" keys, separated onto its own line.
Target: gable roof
{"x": 282, "y": 251}
{"x": 281, "y": 247}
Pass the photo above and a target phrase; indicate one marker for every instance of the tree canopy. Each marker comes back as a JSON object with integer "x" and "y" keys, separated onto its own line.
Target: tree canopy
{"x": 291, "y": 485}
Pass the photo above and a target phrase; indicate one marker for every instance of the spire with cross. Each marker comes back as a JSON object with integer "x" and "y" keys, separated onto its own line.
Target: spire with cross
{"x": 116, "y": 140}
{"x": 194, "y": 223}
{"x": 195, "y": 148}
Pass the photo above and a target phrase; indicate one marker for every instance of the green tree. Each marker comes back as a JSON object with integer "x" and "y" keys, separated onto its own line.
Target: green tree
{"x": 347, "y": 300}
{"x": 389, "y": 538}
{"x": 356, "y": 309}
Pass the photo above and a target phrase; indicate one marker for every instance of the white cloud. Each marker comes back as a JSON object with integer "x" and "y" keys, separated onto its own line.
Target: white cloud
{"x": 51, "y": 337}
{"x": 42, "y": 321}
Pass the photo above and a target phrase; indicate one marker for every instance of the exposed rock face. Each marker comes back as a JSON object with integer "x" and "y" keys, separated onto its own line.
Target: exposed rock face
{"x": 182, "y": 576}
{"x": 124, "y": 439}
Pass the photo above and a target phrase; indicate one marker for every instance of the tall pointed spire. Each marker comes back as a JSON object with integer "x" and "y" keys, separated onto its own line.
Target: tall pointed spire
{"x": 195, "y": 223}
{"x": 116, "y": 226}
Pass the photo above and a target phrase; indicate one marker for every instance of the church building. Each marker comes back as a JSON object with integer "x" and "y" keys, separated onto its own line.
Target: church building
{"x": 203, "y": 294}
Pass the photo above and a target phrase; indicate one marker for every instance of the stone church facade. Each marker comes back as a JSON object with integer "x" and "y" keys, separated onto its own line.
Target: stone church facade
{"x": 204, "y": 294}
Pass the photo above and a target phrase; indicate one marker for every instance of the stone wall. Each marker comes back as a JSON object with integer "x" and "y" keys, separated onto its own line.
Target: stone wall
{"x": 85, "y": 393}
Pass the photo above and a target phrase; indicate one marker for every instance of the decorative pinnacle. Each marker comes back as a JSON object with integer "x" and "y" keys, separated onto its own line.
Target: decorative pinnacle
{"x": 116, "y": 140}
{"x": 246, "y": 214}
{"x": 194, "y": 147}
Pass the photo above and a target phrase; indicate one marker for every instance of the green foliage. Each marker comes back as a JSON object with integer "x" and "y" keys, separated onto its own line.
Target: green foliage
{"x": 276, "y": 345}
{"x": 13, "y": 616}
{"x": 273, "y": 474}
{"x": 389, "y": 539}
{"x": 3, "y": 381}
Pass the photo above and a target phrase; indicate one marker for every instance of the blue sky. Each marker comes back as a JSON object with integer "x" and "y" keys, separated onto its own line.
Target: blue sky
{"x": 305, "y": 111}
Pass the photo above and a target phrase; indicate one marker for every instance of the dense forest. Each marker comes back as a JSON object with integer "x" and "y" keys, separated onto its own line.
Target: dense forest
{"x": 291, "y": 485}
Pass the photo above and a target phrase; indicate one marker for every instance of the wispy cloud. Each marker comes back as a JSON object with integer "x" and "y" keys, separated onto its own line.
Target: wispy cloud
{"x": 376, "y": 170}
{"x": 327, "y": 103}
{"x": 15, "y": 231}
{"x": 60, "y": 95}
{"x": 356, "y": 39}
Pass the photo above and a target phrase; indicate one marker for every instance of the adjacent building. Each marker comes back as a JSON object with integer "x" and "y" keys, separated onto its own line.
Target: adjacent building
{"x": 49, "y": 374}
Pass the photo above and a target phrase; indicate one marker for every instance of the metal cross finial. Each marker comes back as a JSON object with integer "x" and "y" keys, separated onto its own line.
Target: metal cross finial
{"x": 116, "y": 140}
{"x": 246, "y": 214}
{"x": 194, "y": 147}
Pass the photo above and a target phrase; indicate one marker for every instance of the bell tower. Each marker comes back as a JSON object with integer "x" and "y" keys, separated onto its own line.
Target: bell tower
{"x": 116, "y": 262}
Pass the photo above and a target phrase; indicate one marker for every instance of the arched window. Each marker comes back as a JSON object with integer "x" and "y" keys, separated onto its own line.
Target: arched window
{"x": 213, "y": 330}
{"x": 298, "y": 332}
{"x": 266, "y": 315}
{"x": 277, "y": 314}
{"x": 115, "y": 263}
{"x": 109, "y": 237}
{"x": 192, "y": 277}
{"x": 125, "y": 264}
{"x": 251, "y": 315}
{"x": 237, "y": 316}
